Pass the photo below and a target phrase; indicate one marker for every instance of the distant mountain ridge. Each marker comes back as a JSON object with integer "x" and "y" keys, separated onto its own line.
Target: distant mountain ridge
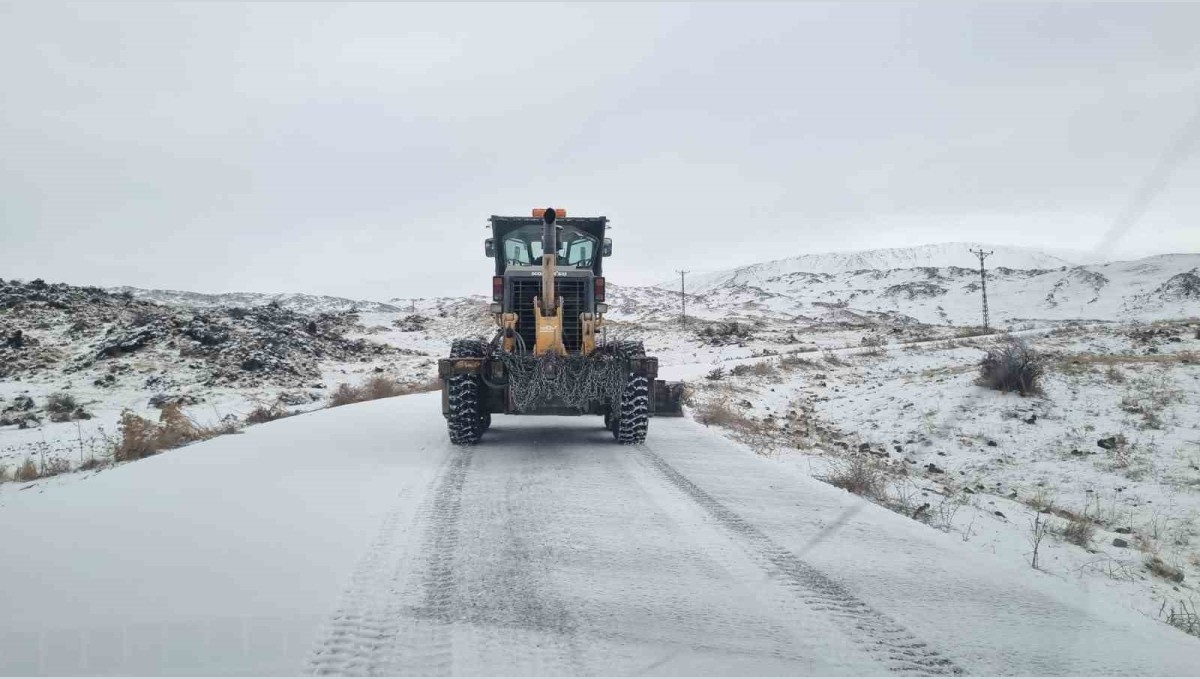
{"x": 938, "y": 255}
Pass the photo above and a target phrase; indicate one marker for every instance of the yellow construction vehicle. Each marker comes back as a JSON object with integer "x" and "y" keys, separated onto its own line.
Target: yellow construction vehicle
{"x": 550, "y": 354}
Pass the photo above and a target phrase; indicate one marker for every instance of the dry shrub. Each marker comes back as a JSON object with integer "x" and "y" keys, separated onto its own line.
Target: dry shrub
{"x": 720, "y": 414}
{"x": 28, "y": 471}
{"x": 3, "y": 473}
{"x": 763, "y": 436}
{"x": 1149, "y": 396}
{"x": 971, "y": 331}
{"x": 833, "y": 359}
{"x": 876, "y": 345}
{"x": 61, "y": 403}
{"x": 792, "y": 362}
{"x": 139, "y": 437}
{"x": 345, "y": 394}
{"x": 1011, "y": 367}
{"x": 860, "y": 474}
{"x": 266, "y": 413}
{"x": 1163, "y": 570}
{"x": 760, "y": 369}
{"x": 135, "y": 438}
{"x": 376, "y": 387}
{"x": 1079, "y": 531}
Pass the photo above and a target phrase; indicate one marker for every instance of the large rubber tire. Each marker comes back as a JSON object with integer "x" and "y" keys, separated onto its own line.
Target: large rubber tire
{"x": 630, "y": 423}
{"x": 466, "y": 421}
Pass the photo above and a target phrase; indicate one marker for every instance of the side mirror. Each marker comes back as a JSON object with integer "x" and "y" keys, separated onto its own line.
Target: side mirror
{"x": 489, "y": 247}
{"x": 607, "y": 251}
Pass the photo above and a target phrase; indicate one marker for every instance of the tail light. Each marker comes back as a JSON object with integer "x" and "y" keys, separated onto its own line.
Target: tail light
{"x": 498, "y": 288}
{"x": 599, "y": 293}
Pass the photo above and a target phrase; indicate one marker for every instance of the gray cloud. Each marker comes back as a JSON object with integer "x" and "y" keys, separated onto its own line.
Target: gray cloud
{"x": 358, "y": 149}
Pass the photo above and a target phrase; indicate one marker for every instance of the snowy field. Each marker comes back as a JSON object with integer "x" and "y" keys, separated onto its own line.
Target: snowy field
{"x": 1107, "y": 455}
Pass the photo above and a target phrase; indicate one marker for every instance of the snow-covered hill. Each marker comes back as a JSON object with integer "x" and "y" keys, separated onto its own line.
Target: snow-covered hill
{"x": 1162, "y": 286}
{"x": 939, "y": 255}
{"x": 293, "y": 301}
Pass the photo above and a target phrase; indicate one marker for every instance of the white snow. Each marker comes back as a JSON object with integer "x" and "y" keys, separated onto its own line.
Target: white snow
{"x": 357, "y": 540}
{"x": 939, "y": 255}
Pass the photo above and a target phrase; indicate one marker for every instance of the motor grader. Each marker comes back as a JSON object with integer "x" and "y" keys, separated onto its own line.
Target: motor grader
{"x": 551, "y": 353}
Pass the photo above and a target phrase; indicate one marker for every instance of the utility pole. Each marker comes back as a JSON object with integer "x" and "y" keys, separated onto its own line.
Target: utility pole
{"x": 983, "y": 281}
{"x": 682, "y": 297}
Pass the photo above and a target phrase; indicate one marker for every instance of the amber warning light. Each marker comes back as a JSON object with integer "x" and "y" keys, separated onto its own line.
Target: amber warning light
{"x": 540, "y": 212}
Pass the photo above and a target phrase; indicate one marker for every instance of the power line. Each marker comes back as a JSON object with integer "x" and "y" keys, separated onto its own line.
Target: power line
{"x": 682, "y": 298}
{"x": 983, "y": 282}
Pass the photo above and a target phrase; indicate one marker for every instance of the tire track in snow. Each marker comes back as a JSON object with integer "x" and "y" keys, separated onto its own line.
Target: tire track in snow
{"x": 879, "y": 635}
{"x": 374, "y": 632}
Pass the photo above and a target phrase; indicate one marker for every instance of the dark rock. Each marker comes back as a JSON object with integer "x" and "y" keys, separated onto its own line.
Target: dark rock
{"x": 1118, "y": 542}
{"x": 992, "y": 444}
{"x": 1031, "y": 419}
{"x": 1111, "y": 442}
{"x": 1123, "y": 530}
{"x": 161, "y": 400}
{"x": 16, "y": 340}
{"x": 126, "y": 343}
{"x": 864, "y": 447}
{"x": 1000, "y": 514}
{"x": 934, "y": 469}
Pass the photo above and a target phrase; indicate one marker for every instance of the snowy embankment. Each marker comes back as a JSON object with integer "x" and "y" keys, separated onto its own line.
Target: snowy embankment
{"x": 356, "y": 540}
{"x": 1104, "y": 457}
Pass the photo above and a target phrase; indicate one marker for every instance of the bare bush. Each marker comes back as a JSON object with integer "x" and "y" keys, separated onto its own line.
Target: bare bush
{"x": 1163, "y": 570}
{"x": 876, "y": 345}
{"x": 266, "y": 413}
{"x": 345, "y": 394}
{"x": 971, "y": 331}
{"x": 1079, "y": 531}
{"x": 62, "y": 407}
{"x": 760, "y": 369}
{"x": 376, "y": 387}
{"x": 1038, "y": 534}
{"x": 793, "y": 362}
{"x": 718, "y": 334}
{"x": 1150, "y": 396}
{"x": 860, "y": 474}
{"x": 763, "y": 436}
{"x": 1013, "y": 366}
{"x": 138, "y": 437}
{"x": 715, "y": 374}
{"x": 834, "y": 359}
{"x": 27, "y": 471}
{"x": 60, "y": 402}
{"x": 1183, "y": 618}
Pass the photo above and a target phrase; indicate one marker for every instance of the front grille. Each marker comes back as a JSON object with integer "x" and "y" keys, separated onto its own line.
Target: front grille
{"x": 573, "y": 292}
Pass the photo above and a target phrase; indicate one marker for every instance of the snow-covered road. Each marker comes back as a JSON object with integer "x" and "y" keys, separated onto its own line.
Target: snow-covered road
{"x": 358, "y": 541}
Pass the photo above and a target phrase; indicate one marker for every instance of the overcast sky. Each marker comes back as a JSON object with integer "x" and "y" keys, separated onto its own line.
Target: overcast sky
{"x": 357, "y": 150}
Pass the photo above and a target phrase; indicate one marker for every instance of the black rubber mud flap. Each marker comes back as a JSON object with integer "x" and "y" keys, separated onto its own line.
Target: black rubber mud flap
{"x": 668, "y": 399}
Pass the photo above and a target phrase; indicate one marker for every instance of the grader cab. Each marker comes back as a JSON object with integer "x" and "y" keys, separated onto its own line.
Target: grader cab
{"x": 551, "y": 353}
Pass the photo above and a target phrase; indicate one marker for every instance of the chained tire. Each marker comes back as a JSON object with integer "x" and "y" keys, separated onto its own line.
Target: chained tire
{"x": 632, "y": 418}
{"x": 466, "y": 421}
